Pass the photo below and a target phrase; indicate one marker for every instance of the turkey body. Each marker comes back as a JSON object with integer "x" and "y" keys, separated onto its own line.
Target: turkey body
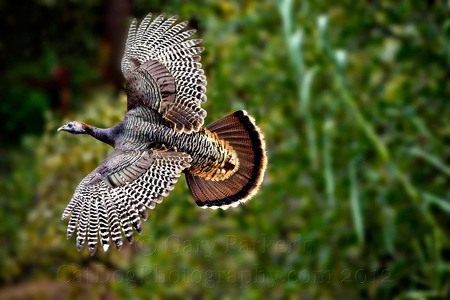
{"x": 161, "y": 136}
{"x": 144, "y": 128}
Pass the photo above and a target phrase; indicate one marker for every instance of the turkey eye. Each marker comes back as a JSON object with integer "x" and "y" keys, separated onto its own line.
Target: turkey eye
{"x": 69, "y": 125}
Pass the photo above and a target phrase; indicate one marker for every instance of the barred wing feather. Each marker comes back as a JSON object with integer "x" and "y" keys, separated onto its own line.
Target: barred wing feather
{"x": 162, "y": 69}
{"x": 115, "y": 196}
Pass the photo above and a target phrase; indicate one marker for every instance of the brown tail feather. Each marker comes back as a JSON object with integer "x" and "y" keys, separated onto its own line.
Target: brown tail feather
{"x": 240, "y": 131}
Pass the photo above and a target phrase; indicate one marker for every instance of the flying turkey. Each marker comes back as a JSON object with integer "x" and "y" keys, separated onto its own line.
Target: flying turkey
{"x": 160, "y": 137}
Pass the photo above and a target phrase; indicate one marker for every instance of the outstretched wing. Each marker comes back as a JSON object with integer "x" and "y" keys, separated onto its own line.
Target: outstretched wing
{"x": 116, "y": 195}
{"x": 162, "y": 70}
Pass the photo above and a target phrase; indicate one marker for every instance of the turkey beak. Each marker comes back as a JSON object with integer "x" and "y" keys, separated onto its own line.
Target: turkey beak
{"x": 61, "y": 128}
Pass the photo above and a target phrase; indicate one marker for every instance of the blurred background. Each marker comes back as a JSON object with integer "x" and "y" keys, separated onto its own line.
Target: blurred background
{"x": 353, "y": 101}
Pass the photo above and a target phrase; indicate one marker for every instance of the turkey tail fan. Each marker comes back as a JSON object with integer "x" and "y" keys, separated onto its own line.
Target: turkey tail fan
{"x": 244, "y": 136}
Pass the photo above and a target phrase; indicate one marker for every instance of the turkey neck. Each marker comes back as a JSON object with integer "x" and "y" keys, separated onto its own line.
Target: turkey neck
{"x": 105, "y": 135}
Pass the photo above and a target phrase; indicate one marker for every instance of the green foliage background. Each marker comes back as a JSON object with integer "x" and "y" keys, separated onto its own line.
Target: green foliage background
{"x": 353, "y": 101}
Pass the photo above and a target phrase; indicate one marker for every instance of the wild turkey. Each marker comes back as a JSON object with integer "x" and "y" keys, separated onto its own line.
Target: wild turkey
{"x": 160, "y": 137}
